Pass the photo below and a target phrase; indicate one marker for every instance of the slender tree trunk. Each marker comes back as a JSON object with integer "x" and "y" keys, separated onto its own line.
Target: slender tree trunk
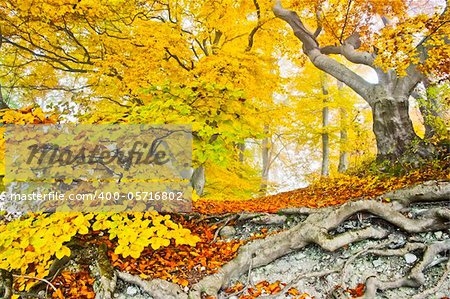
{"x": 325, "y": 136}
{"x": 241, "y": 148}
{"x": 3, "y": 104}
{"x": 198, "y": 180}
{"x": 394, "y": 132}
{"x": 343, "y": 139}
{"x": 265, "y": 155}
{"x": 343, "y": 136}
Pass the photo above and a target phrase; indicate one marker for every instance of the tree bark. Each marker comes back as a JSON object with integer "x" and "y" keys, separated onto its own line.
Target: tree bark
{"x": 394, "y": 132}
{"x": 198, "y": 180}
{"x": 265, "y": 155}
{"x": 343, "y": 134}
{"x": 325, "y": 136}
{"x": 343, "y": 139}
{"x": 3, "y": 104}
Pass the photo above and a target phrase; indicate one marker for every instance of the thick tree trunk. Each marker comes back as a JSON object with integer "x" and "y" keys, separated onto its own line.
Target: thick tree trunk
{"x": 394, "y": 132}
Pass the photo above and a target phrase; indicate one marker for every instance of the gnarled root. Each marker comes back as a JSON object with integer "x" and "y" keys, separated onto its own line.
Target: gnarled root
{"x": 318, "y": 228}
{"x": 157, "y": 288}
{"x": 414, "y": 279}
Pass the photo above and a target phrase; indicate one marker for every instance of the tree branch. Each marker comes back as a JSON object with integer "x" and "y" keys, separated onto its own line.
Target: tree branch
{"x": 320, "y": 60}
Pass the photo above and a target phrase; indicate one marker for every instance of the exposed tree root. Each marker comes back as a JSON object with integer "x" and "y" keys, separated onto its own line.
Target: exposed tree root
{"x": 414, "y": 279}
{"x": 157, "y": 288}
{"x": 431, "y": 291}
{"x": 425, "y": 192}
{"x": 317, "y": 229}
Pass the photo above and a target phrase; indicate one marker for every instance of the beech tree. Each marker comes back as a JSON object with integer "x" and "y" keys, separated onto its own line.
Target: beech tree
{"x": 399, "y": 58}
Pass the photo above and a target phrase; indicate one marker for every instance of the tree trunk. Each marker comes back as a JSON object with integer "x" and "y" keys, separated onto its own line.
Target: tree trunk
{"x": 325, "y": 136}
{"x": 198, "y": 180}
{"x": 3, "y": 104}
{"x": 394, "y": 132}
{"x": 343, "y": 138}
{"x": 241, "y": 149}
{"x": 265, "y": 153}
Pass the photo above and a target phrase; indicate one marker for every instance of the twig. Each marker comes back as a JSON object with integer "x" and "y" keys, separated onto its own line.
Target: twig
{"x": 227, "y": 220}
{"x": 36, "y": 278}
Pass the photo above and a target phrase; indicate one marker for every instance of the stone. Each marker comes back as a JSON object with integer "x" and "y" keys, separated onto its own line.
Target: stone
{"x": 438, "y": 234}
{"x": 131, "y": 291}
{"x": 227, "y": 232}
{"x": 377, "y": 263}
{"x": 410, "y": 258}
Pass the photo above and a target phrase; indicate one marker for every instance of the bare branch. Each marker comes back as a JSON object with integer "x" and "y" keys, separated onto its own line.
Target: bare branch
{"x": 320, "y": 60}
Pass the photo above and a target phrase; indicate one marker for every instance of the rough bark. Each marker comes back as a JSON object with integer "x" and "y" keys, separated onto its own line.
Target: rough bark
{"x": 394, "y": 130}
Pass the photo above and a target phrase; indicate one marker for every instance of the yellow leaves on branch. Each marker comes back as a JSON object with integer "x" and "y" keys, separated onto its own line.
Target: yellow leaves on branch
{"x": 402, "y": 44}
{"x": 137, "y": 231}
{"x": 24, "y": 244}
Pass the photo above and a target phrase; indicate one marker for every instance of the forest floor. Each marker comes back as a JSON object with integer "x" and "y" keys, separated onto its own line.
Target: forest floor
{"x": 348, "y": 237}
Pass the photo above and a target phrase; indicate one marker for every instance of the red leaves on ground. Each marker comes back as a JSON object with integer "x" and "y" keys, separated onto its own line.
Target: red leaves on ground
{"x": 264, "y": 288}
{"x": 186, "y": 265}
{"x": 181, "y": 264}
{"x": 71, "y": 285}
{"x": 327, "y": 192}
{"x": 358, "y": 291}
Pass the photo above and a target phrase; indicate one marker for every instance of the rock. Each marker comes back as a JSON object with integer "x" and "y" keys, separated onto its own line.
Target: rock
{"x": 377, "y": 263}
{"x": 131, "y": 291}
{"x": 438, "y": 234}
{"x": 227, "y": 232}
{"x": 410, "y": 258}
